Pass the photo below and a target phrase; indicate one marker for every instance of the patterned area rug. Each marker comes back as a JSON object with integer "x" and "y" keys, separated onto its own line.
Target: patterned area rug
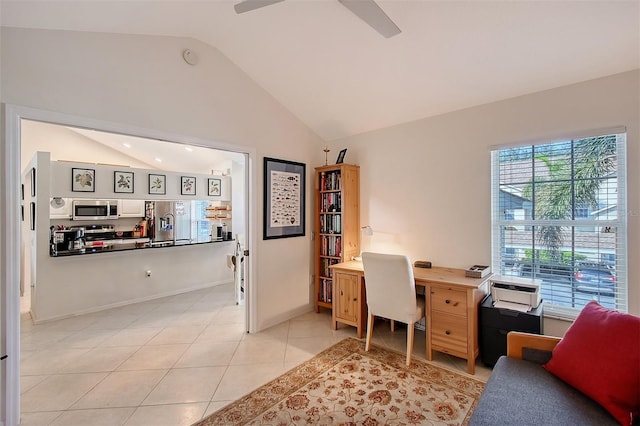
{"x": 344, "y": 385}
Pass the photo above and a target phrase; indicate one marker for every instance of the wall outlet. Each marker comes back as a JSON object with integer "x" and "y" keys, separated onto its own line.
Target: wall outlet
{"x": 148, "y": 273}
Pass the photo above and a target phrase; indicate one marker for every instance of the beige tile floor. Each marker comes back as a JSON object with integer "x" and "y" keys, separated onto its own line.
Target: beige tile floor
{"x": 170, "y": 361}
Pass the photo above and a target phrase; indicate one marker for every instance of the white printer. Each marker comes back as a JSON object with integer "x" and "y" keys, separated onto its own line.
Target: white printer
{"x": 522, "y": 294}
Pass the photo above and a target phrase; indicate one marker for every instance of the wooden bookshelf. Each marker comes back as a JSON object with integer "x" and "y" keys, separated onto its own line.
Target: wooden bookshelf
{"x": 337, "y": 224}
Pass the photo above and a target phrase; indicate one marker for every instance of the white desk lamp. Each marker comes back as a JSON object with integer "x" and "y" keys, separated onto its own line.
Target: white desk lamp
{"x": 368, "y": 232}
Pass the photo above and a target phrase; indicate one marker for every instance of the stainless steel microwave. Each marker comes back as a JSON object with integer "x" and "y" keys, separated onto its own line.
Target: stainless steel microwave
{"x": 94, "y": 209}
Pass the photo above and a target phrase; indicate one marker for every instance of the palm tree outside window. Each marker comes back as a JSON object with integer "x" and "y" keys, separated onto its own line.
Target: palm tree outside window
{"x": 558, "y": 215}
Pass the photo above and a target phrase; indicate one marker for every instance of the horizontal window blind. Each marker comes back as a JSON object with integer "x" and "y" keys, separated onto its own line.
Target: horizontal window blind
{"x": 559, "y": 215}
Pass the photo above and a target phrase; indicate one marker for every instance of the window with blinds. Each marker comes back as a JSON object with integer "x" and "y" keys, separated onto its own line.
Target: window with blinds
{"x": 559, "y": 215}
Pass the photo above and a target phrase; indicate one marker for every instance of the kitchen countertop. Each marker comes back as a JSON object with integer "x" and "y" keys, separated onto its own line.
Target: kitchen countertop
{"x": 125, "y": 244}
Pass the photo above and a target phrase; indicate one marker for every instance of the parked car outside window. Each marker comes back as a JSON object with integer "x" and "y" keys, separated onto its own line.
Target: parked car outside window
{"x": 595, "y": 279}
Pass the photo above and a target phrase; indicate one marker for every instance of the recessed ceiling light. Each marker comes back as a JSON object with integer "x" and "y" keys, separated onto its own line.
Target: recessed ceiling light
{"x": 188, "y": 148}
{"x": 159, "y": 160}
{"x": 126, "y": 145}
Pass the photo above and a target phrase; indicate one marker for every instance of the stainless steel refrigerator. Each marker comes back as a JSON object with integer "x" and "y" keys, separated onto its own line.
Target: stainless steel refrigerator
{"x": 173, "y": 221}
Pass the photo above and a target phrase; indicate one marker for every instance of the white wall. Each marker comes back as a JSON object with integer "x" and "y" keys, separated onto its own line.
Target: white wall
{"x": 80, "y": 284}
{"x": 142, "y": 81}
{"x": 426, "y": 184}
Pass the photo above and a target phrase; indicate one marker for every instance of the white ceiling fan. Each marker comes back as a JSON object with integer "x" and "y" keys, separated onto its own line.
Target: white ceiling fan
{"x": 367, "y": 10}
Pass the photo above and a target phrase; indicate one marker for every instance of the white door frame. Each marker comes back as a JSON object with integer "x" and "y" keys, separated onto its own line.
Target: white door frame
{"x": 10, "y": 227}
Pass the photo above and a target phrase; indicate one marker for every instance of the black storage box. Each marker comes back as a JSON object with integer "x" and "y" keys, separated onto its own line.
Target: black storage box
{"x": 495, "y": 323}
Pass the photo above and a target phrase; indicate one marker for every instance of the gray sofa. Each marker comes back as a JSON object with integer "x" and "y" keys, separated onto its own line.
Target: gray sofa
{"x": 521, "y": 392}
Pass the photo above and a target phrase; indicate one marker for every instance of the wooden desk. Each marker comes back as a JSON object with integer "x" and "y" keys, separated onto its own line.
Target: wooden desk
{"x": 451, "y": 307}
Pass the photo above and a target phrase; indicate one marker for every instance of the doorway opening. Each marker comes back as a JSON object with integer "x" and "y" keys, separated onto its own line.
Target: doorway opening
{"x": 19, "y": 124}
{"x": 165, "y": 217}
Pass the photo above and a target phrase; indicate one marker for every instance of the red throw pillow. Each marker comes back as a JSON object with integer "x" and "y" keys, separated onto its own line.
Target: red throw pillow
{"x": 600, "y": 356}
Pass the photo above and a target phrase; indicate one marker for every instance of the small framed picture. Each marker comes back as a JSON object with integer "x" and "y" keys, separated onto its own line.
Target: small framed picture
{"x": 215, "y": 187}
{"x": 157, "y": 184}
{"x": 83, "y": 180}
{"x": 187, "y": 185}
{"x": 123, "y": 182}
{"x": 341, "y": 156}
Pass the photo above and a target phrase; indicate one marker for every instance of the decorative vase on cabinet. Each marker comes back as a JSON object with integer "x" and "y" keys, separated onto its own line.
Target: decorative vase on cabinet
{"x": 337, "y": 225}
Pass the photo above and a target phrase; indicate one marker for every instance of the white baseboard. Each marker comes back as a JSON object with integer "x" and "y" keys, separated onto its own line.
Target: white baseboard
{"x": 131, "y": 302}
{"x": 285, "y": 316}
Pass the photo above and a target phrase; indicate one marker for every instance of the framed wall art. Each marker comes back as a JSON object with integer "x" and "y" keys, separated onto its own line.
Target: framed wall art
{"x": 157, "y": 184}
{"x": 284, "y": 196}
{"x": 215, "y": 187}
{"x": 123, "y": 182}
{"x": 341, "y": 155}
{"x": 83, "y": 180}
{"x": 187, "y": 185}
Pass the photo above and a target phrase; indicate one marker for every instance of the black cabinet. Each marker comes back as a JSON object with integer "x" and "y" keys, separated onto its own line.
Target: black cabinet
{"x": 495, "y": 323}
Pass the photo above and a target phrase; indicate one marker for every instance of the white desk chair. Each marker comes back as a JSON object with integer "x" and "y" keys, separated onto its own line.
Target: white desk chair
{"x": 391, "y": 293}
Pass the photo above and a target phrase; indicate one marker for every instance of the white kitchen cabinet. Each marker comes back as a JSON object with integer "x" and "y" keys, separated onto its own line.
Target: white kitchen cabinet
{"x": 226, "y": 189}
{"x": 131, "y": 208}
{"x": 60, "y": 209}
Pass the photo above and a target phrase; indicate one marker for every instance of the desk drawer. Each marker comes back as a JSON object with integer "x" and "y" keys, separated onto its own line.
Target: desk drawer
{"x": 450, "y": 301}
{"x": 449, "y": 332}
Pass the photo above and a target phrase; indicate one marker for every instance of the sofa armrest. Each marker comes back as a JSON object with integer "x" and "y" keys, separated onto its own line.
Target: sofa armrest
{"x": 517, "y": 340}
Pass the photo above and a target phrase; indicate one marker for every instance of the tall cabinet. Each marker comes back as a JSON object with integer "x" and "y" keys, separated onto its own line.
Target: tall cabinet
{"x": 337, "y": 225}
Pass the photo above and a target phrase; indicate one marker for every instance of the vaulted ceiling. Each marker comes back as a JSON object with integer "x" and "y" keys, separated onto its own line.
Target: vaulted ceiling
{"x": 341, "y": 78}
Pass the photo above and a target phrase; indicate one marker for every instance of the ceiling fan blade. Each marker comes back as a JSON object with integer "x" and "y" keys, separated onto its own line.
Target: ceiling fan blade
{"x": 372, "y": 14}
{"x": 249, "y": 5}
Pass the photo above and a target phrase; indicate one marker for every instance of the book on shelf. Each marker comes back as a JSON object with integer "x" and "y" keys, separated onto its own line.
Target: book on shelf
{"x": 330, "y": 224}
{"x": 330, "y": 181}
{"x": 331, "y": 202}
{"x": 325, "y": 291}
{"x": 325, "y": 269}
{"x": 331, "y": 246}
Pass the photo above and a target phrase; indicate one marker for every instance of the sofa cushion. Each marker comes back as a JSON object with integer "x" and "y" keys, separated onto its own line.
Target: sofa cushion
{"x": 520, "y": 392}
{"x": 600, "y": 356}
